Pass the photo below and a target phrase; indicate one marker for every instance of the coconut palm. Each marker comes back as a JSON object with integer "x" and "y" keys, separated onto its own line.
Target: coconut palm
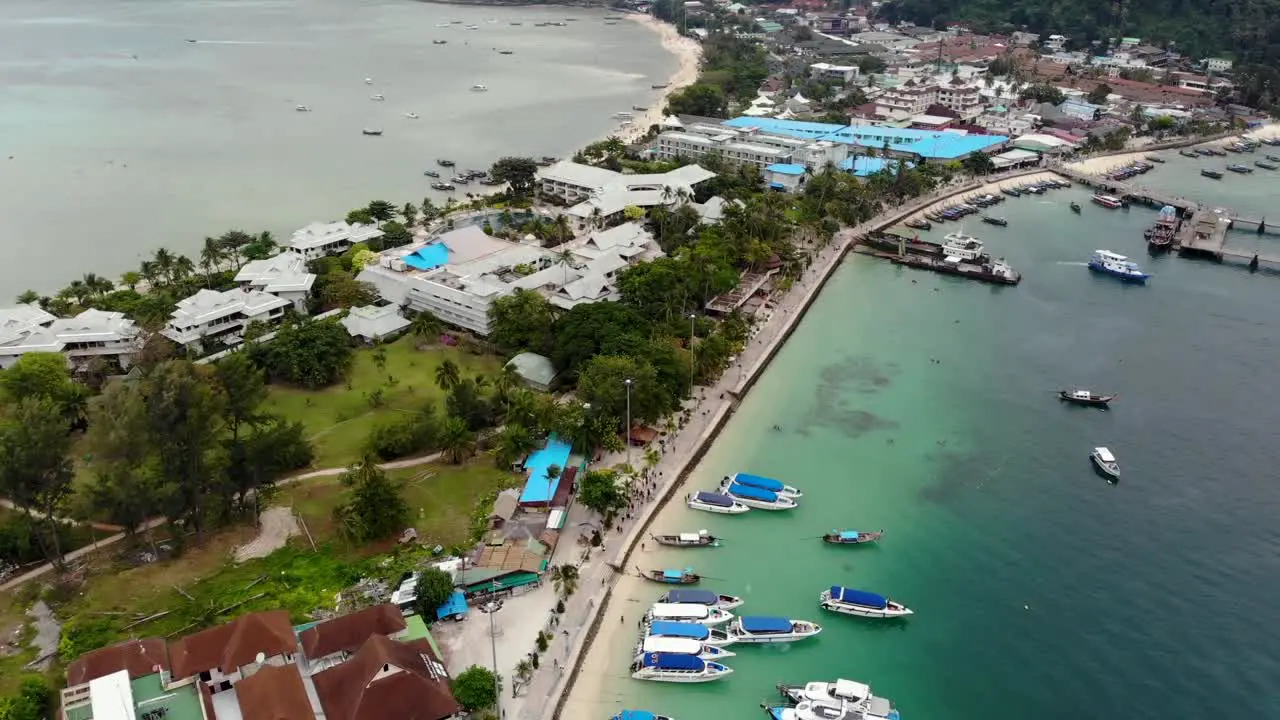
{"x": 447, "y": 375}
{"x": 523, "y": 674}
{"x": 150, "y": 272}
{"x": 164, "y": 260}
{"x": 77, "y": 291}
{"x": 565, "y": 579}
{"x": 514, "y": 442}
{"x": 565, "y": 259}
{"x": 97, "y": 284}
{"x": 183, "y": 268}
{"x": 425, "y": 326}
{"x": 131, "y": 279}
{"x": 211, "y": 257}
{"x": 456, "y": 440}
{"x": 552, "y": 474}
{"x": 28, "y": 297}
{"x": 410, "y": 214}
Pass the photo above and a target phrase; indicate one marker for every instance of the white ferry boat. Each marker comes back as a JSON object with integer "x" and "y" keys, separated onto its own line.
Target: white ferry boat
{"x": 854, "y": 695}
{"x": 682, "y": 646}
{"x": 766, "y": 629}
{"x": 635, "y": 714}
{"x": 670, "y": 667}
{"x": 964, "y": 247}
{"x": 714, "y": 503}
{"x": 755, "y": 497}
{"x": 702, "y": 597}
{"x": 825, "y": 710}
{"x": 688, "y": 612}
{"x": 1106, "y": 462}
{"x": 764, "y": 483}
{"x": 693, "y": 631}
{"x": 1109, "y": 263}
{"x": 861, "y": 603}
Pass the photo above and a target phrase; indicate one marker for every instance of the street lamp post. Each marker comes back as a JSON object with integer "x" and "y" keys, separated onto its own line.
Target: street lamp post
{"x": 627, "y": 382}
{"x": 692, "y": 318}
{"x": 491, "y": 608}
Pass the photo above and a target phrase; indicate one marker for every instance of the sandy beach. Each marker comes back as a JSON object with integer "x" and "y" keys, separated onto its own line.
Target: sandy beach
{"x": 690, "y": 54}
{"x": 1106, "y": 163}
{"x": 994, "y": 188}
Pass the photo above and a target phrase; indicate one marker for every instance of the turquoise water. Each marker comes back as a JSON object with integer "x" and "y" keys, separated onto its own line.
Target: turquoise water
{"x": 925, "y": 405}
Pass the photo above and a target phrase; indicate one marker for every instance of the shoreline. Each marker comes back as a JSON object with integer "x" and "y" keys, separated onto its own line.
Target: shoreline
{"x": 687, "y": 52}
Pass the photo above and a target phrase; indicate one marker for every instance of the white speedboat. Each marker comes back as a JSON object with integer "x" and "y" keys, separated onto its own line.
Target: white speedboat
{"x": 853, "y": 695}
{"x": 670, "y": 667}
{"x": 368, "y": 81}
{"x": 965, "y": 247}
{"x": 764, "y": 483}
{"x": 682, "y": 646}
{"x": 302, "y": 108}
{"x": 848, "y": 601}
{"x": 688, "y": 612}
{"x": 825, "y": 710}
{"x": 1109, "y": 263}
{"x": 411, "y": 115}
{"x": 693, "y": 631}
{"x": 702, "y": 597}
{"x": 766, "y": 629}
{"x": 443, "y": 24}
{"x": 714, "y": 503}
{"x": 377, "y": 98}
{"x": 755, "y": 497}
{"x": 479, "y": 88}
{"x": 1106, "y": 462}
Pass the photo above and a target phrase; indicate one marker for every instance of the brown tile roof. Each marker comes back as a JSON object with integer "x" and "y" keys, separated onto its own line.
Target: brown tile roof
{"x": 139, "y": 657}
{"x": 234, "y": 644}
{"x": 275, "y": 692}
{"x": 416, "y": 688}
{"x": 350, "y": 631}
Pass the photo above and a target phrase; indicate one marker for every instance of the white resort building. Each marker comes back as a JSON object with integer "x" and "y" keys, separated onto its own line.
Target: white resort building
{"x": 284, "y": 275}
{"x": 746, "y": 145}
{"x": 92, "y": 333}
{"x": 210, "y": 315}
{"x": 597, "y": 196}
{"x": 320, "y": 239}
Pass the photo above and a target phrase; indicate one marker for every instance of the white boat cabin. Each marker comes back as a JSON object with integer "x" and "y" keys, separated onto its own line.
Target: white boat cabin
{"x": 689, "y": 612}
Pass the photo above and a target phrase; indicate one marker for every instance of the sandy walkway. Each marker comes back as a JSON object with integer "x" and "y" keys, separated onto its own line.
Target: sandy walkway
{"x": 690, "y": 54}
{"x": 275, "y": 526}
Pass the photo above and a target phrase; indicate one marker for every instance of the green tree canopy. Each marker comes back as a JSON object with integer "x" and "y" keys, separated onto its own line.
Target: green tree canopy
{"x": 601, "y": 491}
{"x": 373, "y": 508}
{"x": 1043, "y": 93}
{"x": 517, "y": 172}
{"x": 521, "y": 321}
{"x": 476, "y": 688}
{"x": 433, "y": 590}
{"x": 602, "y": 383}
{"x": 697, "y": 99}
{"x": 312, "y": 354}
{"x": 35, "y": 464}
{"x": 44, "y": 375}
{"x": 1098, "y": 96}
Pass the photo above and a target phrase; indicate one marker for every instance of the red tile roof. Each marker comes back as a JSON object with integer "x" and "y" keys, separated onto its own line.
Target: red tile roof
{"x": 387, "y": 679}
{"x": 147, "y": 656}
{"x": 350, "y": 631}
{"x": 234, "y": 644}
{"x": 274, "y": 692}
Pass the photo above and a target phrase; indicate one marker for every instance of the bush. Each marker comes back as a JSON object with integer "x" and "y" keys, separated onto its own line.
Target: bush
{"x": 474, "y": 688}
{"x": 403, "y": 435}
{"x": 33, "y": 702}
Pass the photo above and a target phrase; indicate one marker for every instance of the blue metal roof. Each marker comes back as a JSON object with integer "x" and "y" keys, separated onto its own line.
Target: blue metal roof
{"x": 673, "y": 661}
{"x": 765, "y": 623}
{"x": 858, "y": 597}
{"x": 455, "y": 605}
{"x": 753, "y": 493}
{"x": 697, "y": 597}
{"x": 763, "y": 483}
{"x": 925, "y": 143}
{"x": 714, "y": 499}
{"x": 785, "y": 169}
{"x": 863, "y": 166}
{"x": 663, "y": 628}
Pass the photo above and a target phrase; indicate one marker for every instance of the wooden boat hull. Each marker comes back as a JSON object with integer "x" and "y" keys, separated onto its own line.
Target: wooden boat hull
{"x": 862, "y": 539}
{"x": 658, "y": 577}
{"x": 676, "y": 541}
{"x": 1093, "y": 401}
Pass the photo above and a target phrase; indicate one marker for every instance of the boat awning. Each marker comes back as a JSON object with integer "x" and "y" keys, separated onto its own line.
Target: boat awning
{"x": 763, "y": 483}
{"x": 858, "y": 597}
{"x": 662, "y": 628}
{"x": 684, "y": 611}
{"x": 690, "y": 537}
{"x": 1105, "y": 455}
{"x": 849, "y": 534}
{"x": 697, "y": 597}
{"x": 752, "y": 493}
{"x": 714, "y": 499}
{"x": 851, "y": 690}
{"x": 673, "y": 661}
{"x": 684, "y": 646}
{"x": 765, "y": 624}
{"x": 673, "y": 574}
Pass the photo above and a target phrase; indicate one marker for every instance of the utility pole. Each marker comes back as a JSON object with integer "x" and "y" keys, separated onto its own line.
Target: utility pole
{"x": 491, "y": 608}
{"x": 692, "y": 317}
{"x": 627, "y": 382}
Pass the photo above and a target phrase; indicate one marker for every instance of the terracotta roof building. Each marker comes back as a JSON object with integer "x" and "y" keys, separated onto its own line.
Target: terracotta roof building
{"x": 347, "y": 633}
{"x": 387, "y": 679}
{"x": 140, "y": 657}
{"x": 229, "y": 647}
{"x": 274, "y": 693}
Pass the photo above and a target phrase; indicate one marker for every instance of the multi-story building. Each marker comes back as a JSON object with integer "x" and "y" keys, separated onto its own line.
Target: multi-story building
{"x": 214, "y": 316}
{"x": 906, "y": 100}
{"x": 1055, "y": 43}
{"x": 961, "y": 97}
{"x": 747, "y": 145}
{"x": 1217, "y": 65}
{"x": 91, "y": 334}
{"x": 284, "y": 275}
{"x": 320, "y": 239}
{"x": 843, "y": 74}
{"x": 598, "y": 196}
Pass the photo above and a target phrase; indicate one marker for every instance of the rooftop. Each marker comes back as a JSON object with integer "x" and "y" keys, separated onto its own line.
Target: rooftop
{"x": 233, "y": 645}
{"x": 319, "y": 234}
{"x": 206, "y": 305}
{"x": 944, "y": 144}
{"x": 274, "y": 692}
{"x": 142, "y": 697}
{"x": 785, "y": 169}
{"x": 286, "y": 272}
{"x": 373, "y": 322}
{"x": 146, "y": 656}
{"x": 348, "y": 632}
{"x": 534, "y": 368}
{"x": 387, "y": 679}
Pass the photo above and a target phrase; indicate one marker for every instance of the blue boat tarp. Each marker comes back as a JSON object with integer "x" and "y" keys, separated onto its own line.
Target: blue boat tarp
{"x": 673, "y": 661}
{"x": 666, "y": 628}
{"x": 675, "y": 574}
{"x": 858, "y": 597}
{"x": 714, "y": 499}
{"x": 697, "y": 597}
{"x": 455, "y": 605}
{"x": 765, "y": 624}
{"x": 634, "y": 715}
{"x": 753, "y": 493}
{"x": 849, "y": 534}
{"x": 763, "y": 483}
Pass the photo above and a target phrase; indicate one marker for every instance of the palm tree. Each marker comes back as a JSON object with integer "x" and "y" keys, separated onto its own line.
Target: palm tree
{"x": 183, "y": 267}
{"x": 565, "y": 579}
{"x": 410, "y": 214}
{"x": 456, "y": 439}
{"x": 425, "y": 325}
{"x": 514, "y": 442}
{"x": 77, "y": 291}
{"x": 28, "y": 297}
{"x": 131, "y": 279}
{"x": 163, "y": 260}
{"x": 523, "y": 673}
{"x": 651, "y": 458}
{"x": 564, "y": 258}
{"x": 150, "y": 272}
{"x": 553, "y": 474}
{"x": 448, "y": 375}
{"x": 211, "y": 257}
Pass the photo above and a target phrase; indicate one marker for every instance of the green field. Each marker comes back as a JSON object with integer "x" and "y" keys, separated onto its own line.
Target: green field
{"x": 338, "y": 418}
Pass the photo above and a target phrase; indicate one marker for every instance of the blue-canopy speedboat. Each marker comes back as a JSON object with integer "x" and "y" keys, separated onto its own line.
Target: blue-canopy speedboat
{"x": 851, "y": 537}
{"x": 757, "y": 497}
{"x": 1109, "y": 263}
{"x": 764, "y": 483}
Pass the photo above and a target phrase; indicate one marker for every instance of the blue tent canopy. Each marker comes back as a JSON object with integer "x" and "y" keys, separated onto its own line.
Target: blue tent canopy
{"x": 756, "y": 481}
{"x": 673, "y": 574}
{"x": 673, "y": 661}
{"x": 753, "y": 493}
{"x": 765, "y": 624}
{"x": 634, "y": 715}
{"x": 714, "y": 499}
{"x": 665, "y": 628}
{"x": 858, "y": 597}
{"x": 849, "y": 534}
{"x": 455, "y": 605}
{"x": 698, "y": 597}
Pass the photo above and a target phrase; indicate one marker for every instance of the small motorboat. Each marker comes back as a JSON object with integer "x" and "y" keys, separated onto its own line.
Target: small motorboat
{"x": 639, "y": 108}
{"x": 694, "y": 631}
{"x": 479, "y": 88}
{"x": 995, "y": 221}
{"x": 377, "y": 98}
{"x": 934, "y": 217}
{"x": 758, "y": 498}
{"x": 687, "y": 613}
{"x": 848, "y": 601}
{"x": 372, "y": 131}
{"x": 1085, "y": 397}
{"x": 1238, "y": 168}
{"x": 1189, "y": 153}
{"x": 443, "y": 186}
{"x": 1154, "y": 159}
{"x": 821, "y": 710}
{"x": 918, "y": 224}
{"x": 439, "y": 42}
{"x": 851, "y": 537}
{"x": 771, "y": 629}
{"x": 445, "y": 163}
{"x": 714, "y": 503}
{"x": 1266, "y": 165}
{"x": 302, "y": 108}
{"x": 1110, "y": 263}
{"x": 672, "y": 667}
{"x": 368, "y": 81}
{"x": 1011, "y": 192}
{"x": 1105, "y": 462}
{"x": 852, "y": 695}
{"x": 411, "y": 115}
{"x": 473, "y": 27}
{"x": 702, "y": 538}
{"x": 506, "y": 52}
{"x": 1274, "y": 158}
{"x": 683, "y": 646}
{"x": 431, "y": 173}
{"x": 671, "y": 577}
{"x": 701, "y": 597}
{"x": 635, "y": 714}
{"x": 1107, "y": 201}
{"x": 1075, "y": 208}
{"x": 1212, "y": 174}
{"x": 764, "y": 483}
{"x": 460, "y": 180}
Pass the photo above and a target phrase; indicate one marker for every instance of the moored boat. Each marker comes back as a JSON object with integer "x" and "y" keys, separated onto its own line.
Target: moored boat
{"x": 701, "y": 597}
{"x": 851, "y": 537}
{"x": 431, "y": 173}
{"x": 695, "y": 631}
{"x": 1238, "y": 168}
{"x": 1274, "y": 158}
{"x": 372, "y": 131}
{"x": 1011, "y": 192}
{"x": 682, "y": 646}
{"x": 411, "y": 115}
{"x": 963, "y": 247}
{"x": 918, "y": 224}
{"x": 479, "y": 88}
{"x": 764, "y": 483}
{"x": 635, "y": 714}
{"x": 1107, "y": 201}
{"x": 1154, "y": 159}
{"x": 671, "y": 577}
{"x": 1266, "y": 165}
{"x": 995, "y": 221}
{"x": 377, "y": 98}
{"x": 849, "y": 601}
{"x": 771, "y": 629}
{"x": 445, "y": 163}
{"x": 823, "y": 710}
{"x": 688, "y": 613}
{"x": 1189, "y": 153}
{"x": 302, "y": 108}
{"x": 1212, "y": 174}
{"x": 1075, "y": 208}
{"x": 702, "y": 538}
{"x": 443, "y": 186}
{"x": 1117, "y": 265}
{"x": 671, "y": 667}
{"x": 850, "y": 694}
{"x": 1106, "y": 462}
{"x": 1161, "y": 234}
{"x": 714, "y": 503}
{"x": 1085, "y": 397}
{"x": 758, "y": 498}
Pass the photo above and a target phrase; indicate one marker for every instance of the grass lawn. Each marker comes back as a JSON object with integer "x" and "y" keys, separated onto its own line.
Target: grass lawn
{"x": 442, "y": 499}
{"x": 339, "y": 418}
